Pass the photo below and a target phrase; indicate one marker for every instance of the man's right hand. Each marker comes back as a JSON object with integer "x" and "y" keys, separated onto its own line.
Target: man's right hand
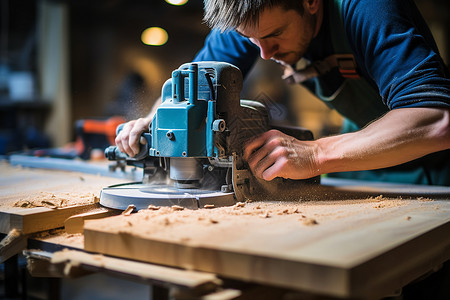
{"x": 128, "y": 138}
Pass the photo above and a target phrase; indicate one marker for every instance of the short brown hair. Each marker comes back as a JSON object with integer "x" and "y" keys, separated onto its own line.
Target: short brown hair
{"x": 229, "y": 14}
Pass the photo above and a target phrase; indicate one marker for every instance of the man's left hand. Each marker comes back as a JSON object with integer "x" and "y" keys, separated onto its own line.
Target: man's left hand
{"x": 275, "y": 154}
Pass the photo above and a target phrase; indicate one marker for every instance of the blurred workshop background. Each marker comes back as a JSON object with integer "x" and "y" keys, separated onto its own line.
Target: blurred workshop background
{"x": 62, "y": 61}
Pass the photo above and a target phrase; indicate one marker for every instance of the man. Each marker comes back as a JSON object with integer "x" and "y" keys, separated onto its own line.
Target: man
{"x": 397, "y": 113}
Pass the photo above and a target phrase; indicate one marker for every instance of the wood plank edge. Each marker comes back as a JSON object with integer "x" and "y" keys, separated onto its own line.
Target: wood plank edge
{"x": 407, "y": 262}
{"x": 242, "y": 266}
{"x": 35, "y": 220}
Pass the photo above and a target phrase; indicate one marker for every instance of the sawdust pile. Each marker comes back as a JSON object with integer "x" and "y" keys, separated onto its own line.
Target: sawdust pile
{"x": 59, "y": 236}
{"x": 56, "y": 200}
{"x": 164, "y": 221}
{"x": 28, "y": 188}
{"x": 384, "y": 202}
{"x": 263, "y": 228}
{"x": 163, "y": 217}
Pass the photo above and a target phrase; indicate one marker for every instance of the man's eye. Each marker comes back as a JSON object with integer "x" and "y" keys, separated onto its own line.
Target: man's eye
{"x": 277, "y": 33}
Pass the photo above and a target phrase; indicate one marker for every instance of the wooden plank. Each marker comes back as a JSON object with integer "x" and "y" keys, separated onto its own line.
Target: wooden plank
{"x": 346, "y": 248}
{"x": 75, "y": 223}
{"x": 13, "y": 243}
{"x": 19, "y": 184}
{"x": 182, "y": 278}
{"x": 32, "y": 220}
{"x": 33, "y": 200}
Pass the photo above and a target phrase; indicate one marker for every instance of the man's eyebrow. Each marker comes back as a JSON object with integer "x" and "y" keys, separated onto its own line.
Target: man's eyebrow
{"x": 274, "y": 32}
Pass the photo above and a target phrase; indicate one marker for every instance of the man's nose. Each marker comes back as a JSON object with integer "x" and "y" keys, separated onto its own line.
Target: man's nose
{"x": 267, "y": 48}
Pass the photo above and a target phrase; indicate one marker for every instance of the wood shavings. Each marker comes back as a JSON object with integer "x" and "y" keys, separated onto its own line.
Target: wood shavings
{"x": 166, "y": 222}
{"x": 423, "y": 199}
{"x": 376, "y": 199}
{"x": 239, "y": 205}
{"x": 309, "y": 222}
{"x": 129, "y": 210}
{"x": 265, "y": 215}
{"x": 50, "y": 204}
{"x": 27, "y": 187}
{"x": 387, "y": 204}
{"x": 384, "y": 202}
{"x": 55, "y": 200}
{"x": 24, "y": 204}
{"x": 284, "y": 212}
{"x": 177, "y": 207}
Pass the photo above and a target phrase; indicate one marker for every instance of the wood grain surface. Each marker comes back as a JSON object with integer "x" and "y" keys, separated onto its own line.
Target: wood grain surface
{"x": 33, "y": 200}
{"x": 345, "y": 248}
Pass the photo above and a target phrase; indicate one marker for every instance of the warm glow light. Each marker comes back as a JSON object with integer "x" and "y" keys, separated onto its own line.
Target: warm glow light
{"x": 154, "y": 36}
{"x": 177, "y": 2}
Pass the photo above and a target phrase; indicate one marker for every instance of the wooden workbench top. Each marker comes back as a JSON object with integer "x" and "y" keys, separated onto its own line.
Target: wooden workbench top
{"x": 34, "y": 200}
{"x": 344, "y": 248}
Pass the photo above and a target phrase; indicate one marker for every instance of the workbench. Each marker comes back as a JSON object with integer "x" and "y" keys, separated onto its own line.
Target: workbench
{"x": 362, "y": 240}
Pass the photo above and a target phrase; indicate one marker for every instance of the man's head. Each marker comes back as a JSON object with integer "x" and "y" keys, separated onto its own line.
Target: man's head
{"x": 229, "y": 14}
{"x": 281, "y": 29}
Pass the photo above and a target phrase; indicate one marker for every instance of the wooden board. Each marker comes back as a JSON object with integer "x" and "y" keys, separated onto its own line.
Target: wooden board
{"x": 181, "y": 278}
{"x": 344, "y": 248}
{"x": 31, "y": 220}
{"x": 32, "y": 200}
{"x": 75, "y": 223}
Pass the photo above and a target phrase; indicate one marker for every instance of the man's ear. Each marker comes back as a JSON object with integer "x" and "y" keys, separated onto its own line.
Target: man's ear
{"x": 312, "y": 6}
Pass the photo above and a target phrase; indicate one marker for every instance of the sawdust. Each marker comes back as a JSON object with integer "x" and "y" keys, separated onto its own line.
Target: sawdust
{"x": 384, "y": 202}
{"x": 128, "y": 210}
{"x": 177, "y": 207}
{"x": 29, "y": 188}
{"x": 156, "y": 220}
{"x": 423, "y": 199}
{"x": 262, "y": 226}
{"x": 60, "y": 237}
{"x": 309, "y": 221}
{"x": 56, "y": 200}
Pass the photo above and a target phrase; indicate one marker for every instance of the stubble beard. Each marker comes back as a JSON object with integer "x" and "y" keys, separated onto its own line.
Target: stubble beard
{"x": 288, "y": 58}
{"x": 292, "y": 57}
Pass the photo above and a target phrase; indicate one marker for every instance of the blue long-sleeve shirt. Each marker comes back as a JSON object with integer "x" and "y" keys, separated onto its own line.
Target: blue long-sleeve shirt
{"x": 396, "y": 57}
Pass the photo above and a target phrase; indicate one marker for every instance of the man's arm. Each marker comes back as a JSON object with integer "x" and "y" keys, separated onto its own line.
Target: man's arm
{"x": 399, "y": 136}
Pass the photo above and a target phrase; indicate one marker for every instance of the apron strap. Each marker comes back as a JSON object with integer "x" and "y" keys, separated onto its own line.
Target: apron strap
{"x": 345, "y": 63}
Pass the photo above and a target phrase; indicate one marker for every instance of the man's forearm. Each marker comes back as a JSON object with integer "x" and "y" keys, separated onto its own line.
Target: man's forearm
{"x": 399, "y": 136}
